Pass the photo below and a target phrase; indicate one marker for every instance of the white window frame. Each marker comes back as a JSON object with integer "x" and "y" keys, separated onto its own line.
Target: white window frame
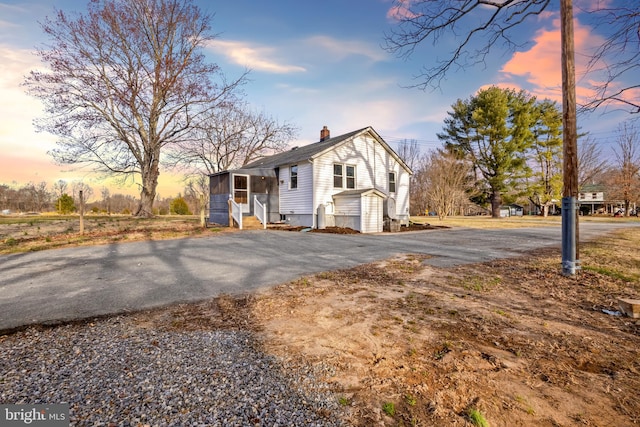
{"x": 336, "y": 176}
{"x": 344, "y": 177}
{"x": 392, "y": 180}
{"x": 291, "y": 175}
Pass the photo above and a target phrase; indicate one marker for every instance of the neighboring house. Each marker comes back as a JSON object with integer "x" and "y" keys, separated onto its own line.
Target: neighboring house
{"x": 591, "y": 199}
{"x": 353, "y": 180}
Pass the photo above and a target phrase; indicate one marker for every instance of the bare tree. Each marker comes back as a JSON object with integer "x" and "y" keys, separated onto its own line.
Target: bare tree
{"x": 444, "y": 178}
{"x": 41, "y": 196}
{"x": 472, "y": 21}
{"x": 409, "y": 152}
{"x": 481, "y": 25}
{"x": 60, "y": 187}
{"x": 231, "y": 136}
{"x": 591, "y": 163}
{"x": 106, "y": 205}
{"x": 124, "y": 81}
{"x": 618, "y": 58}
{"x": 79, "y": 186}
{"x": 626, "y": 173}
{"x": 197, "y": 190}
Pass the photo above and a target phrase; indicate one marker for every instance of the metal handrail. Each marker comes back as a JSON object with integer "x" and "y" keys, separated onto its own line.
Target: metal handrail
{"x": 260, "y": 211}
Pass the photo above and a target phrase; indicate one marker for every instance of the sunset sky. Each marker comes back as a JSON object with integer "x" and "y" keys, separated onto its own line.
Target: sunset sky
{"x": 312, "y": 64}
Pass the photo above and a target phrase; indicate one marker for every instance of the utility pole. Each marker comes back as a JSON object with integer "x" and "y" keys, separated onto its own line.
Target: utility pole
{"x": 570, "y": 235}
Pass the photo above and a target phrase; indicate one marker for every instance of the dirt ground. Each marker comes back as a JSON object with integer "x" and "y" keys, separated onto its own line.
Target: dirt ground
{"x": 510, "y": 342}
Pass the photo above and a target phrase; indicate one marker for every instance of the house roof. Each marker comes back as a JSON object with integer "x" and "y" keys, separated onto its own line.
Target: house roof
{"x": 311, "y": 151}
{"x": 591, "y": 188}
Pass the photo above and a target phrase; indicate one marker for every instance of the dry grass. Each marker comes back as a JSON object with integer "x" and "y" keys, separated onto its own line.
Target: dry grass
{"x": 486, "y": 222}
{"x": 34, "y": 233}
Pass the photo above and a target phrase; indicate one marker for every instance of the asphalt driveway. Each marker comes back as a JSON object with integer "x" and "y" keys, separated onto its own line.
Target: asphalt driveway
{"x": 83, "y": 282}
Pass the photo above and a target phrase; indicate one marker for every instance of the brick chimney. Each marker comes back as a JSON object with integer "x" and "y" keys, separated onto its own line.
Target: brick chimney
{"x": 324, "y": 134}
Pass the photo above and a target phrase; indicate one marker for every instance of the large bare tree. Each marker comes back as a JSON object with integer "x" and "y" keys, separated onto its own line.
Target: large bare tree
{"x": 478, "y": 26}
{"x": 229, "y": 137}
{"x": 444, "y": 179}
{"x": 124, "y": 81}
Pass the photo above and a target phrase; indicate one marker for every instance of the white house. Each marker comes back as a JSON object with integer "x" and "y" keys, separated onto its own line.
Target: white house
{"x": 353, "y": 180}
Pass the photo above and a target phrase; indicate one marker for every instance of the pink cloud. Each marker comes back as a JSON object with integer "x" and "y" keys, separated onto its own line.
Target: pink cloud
{"x": 538, "y": 70}
{"x": 400, "y": 10}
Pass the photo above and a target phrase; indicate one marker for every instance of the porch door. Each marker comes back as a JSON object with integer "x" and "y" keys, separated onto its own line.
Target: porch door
{"x": 241, "y": 191}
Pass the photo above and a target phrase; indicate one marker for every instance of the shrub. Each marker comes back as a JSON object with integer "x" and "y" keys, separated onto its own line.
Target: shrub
{"x": 65, "y": 204}
{"x": 179, "y": 207}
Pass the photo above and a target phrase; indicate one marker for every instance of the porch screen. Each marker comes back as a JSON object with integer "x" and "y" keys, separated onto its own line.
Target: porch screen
{"x": 240, "y": 189}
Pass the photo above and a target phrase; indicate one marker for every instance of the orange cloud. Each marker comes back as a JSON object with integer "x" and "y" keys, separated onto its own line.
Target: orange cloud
{"x": 538, "y": 70}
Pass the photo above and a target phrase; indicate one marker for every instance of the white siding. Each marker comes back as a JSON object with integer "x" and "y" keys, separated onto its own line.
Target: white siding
{"x": 347, "y": 206}
{"x": 373, "y": 164}
{"x": 299, "y": 200}
{"x": 371, "y": 214}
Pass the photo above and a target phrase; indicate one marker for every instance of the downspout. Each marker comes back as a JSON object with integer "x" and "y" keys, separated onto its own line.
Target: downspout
{"x": 314, "y": 218}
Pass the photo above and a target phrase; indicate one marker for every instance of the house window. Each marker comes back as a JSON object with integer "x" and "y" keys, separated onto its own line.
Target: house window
{"x": 293, "y": 176}
{"x": 337, "y": 175}
{"x": 392, "y": 182}
{"x": 344, "y": 176}
{"x": 351, "y": 176}
{"x": 582, "y": 196}
{"x": 594, "y": 196}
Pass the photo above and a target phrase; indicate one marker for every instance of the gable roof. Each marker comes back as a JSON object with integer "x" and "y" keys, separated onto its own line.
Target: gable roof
{"x": 311, "y": 151}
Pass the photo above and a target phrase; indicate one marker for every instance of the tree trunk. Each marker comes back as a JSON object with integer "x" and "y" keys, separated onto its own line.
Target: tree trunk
{"x": 148, "y": 192}
{"x": 496, "y": 201}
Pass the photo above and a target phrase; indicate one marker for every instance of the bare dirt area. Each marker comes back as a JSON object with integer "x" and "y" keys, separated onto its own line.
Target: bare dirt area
{"x": 510, "y": 343}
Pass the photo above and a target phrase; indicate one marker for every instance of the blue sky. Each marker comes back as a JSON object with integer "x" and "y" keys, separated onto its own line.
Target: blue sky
{"x": 312, "y": 64}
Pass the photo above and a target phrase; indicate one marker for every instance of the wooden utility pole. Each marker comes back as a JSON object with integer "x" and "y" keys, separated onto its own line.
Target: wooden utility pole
{"x": 570, "y": 234}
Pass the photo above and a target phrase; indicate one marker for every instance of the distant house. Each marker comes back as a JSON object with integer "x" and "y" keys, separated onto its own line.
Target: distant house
{"x": 511, "y": 210}
{"x": 591, "y": 199}
{"x": 353, "y": 180}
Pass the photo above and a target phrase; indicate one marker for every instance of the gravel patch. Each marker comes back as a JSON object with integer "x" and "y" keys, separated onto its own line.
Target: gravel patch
{"x": 113, "y": 373}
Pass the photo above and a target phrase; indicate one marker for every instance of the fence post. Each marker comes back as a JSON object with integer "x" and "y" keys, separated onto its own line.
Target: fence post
{"x": 81, "y": 212}
{"x": 202, "y": 223}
